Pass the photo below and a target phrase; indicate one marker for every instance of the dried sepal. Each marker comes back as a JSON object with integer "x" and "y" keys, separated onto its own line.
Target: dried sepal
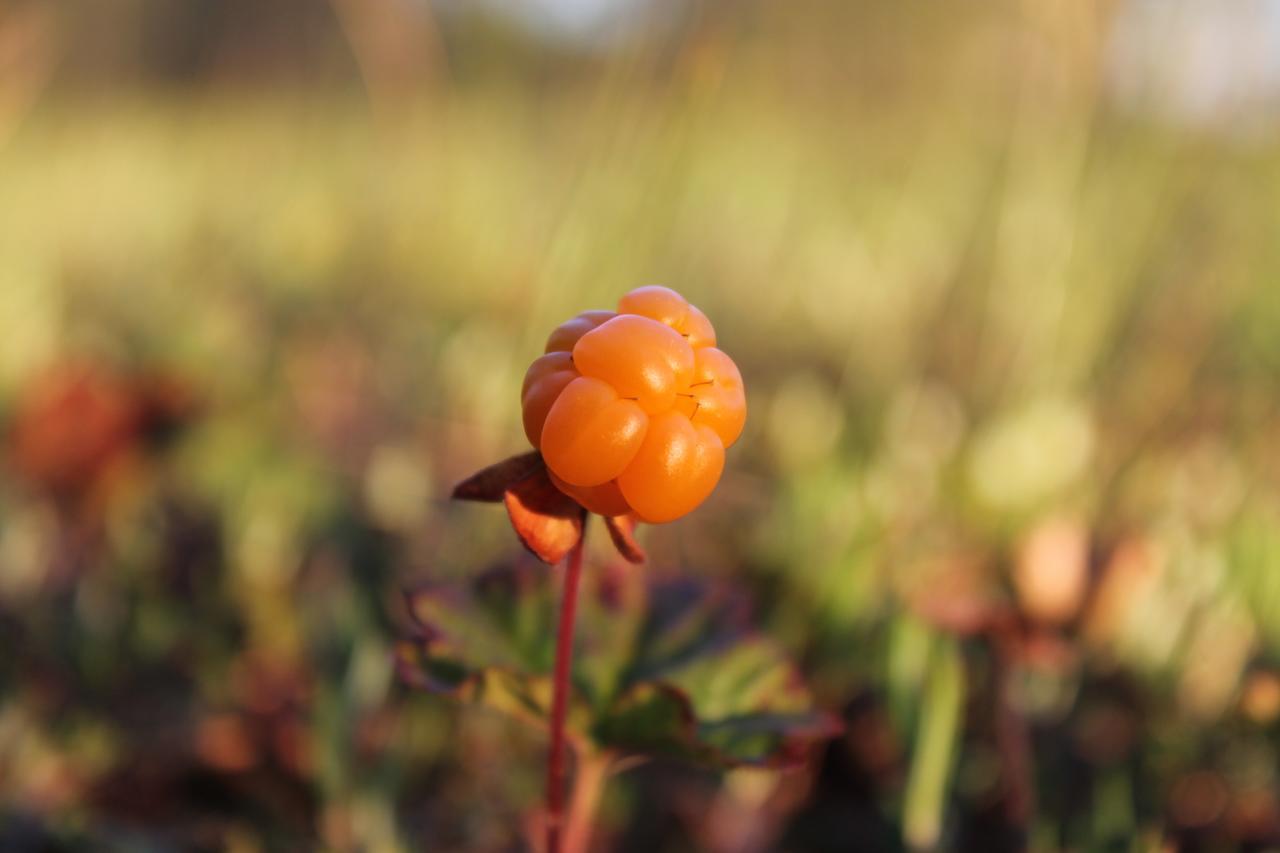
{"x": 622, "y": 530}
{"x": 548, "y": 521}
{"x": 491, "y": 484}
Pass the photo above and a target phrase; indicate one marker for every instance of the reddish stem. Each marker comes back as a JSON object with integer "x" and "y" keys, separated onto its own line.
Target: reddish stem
{"x": 560, "y": 697}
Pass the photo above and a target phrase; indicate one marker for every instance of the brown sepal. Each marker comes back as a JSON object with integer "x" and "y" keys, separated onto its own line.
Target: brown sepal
{"x": 548, "y": 521}
{"x": 622, "y": 530}
{"x": 491, "y": 484}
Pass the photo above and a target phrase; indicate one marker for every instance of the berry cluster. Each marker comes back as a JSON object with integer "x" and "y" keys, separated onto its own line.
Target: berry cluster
{"x": 632, "y": 410}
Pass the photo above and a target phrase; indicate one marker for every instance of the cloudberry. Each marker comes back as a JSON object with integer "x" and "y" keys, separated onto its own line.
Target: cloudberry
{"x": 633, "y": 409}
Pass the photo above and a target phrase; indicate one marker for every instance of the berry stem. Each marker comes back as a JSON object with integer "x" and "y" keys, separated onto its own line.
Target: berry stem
{"x": 560, "y": 696}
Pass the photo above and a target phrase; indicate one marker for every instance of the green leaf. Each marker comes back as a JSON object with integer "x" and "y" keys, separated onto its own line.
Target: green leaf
{"x": 649, "y": 718}
{"x": 669, "y": 668}
{"x": 937, "y": 742}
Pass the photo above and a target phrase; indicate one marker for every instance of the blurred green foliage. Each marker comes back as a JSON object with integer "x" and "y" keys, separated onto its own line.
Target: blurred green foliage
{"x": 1008, "y": 490}
{"x": 665, "y": 668}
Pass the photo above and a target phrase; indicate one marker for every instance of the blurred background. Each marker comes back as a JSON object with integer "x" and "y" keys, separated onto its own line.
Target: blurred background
{"x": 1001, "y": 280}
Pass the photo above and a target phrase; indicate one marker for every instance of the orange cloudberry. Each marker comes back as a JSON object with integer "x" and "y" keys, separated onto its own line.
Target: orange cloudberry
{"x": 632, "y": 410}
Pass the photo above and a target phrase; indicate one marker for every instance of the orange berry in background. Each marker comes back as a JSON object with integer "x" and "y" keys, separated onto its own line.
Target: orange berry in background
{"x": 591, "y": 434}
{"x": 643, "y": 359}
{"x": 633, "y": 411}
{"x": 1051, "y": 572}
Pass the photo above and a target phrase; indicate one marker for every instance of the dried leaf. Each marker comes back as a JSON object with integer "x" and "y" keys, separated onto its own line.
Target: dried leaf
{"x": 72, "y": 426}
{"x": 548, "y": 521}
{"x": 622, "y": 529}
{"x": 490, "y": 484}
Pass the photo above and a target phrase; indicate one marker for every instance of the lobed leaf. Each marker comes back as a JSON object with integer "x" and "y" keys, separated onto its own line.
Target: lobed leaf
{"x": 661, "y": 668}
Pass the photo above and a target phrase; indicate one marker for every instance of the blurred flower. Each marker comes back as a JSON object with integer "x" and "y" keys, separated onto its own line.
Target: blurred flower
{"x": 77, "y": 426}
{"x": 1260, "y": 697}
{"x": 1051, "y": 571}
{"x": 223, "y": 742}
{"x": 1198, "y": 799}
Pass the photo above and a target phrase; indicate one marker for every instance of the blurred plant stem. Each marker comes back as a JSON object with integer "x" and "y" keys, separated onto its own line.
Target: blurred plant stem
{"x": 31, "y": 42}
{"x": 592, "y": 772}
{"x": 560, "y": 697}
{"x": 1012, "y": 735}
{"x": 938, "y": 731}
{"x": 396, "y": 46}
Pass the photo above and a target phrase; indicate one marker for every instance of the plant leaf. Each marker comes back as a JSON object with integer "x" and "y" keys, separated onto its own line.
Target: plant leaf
{"x": 651, "y": 717}
{"x": 509, "y": 691}
{"x": 937, "y": 739}
{"x": 663, "y": 668}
